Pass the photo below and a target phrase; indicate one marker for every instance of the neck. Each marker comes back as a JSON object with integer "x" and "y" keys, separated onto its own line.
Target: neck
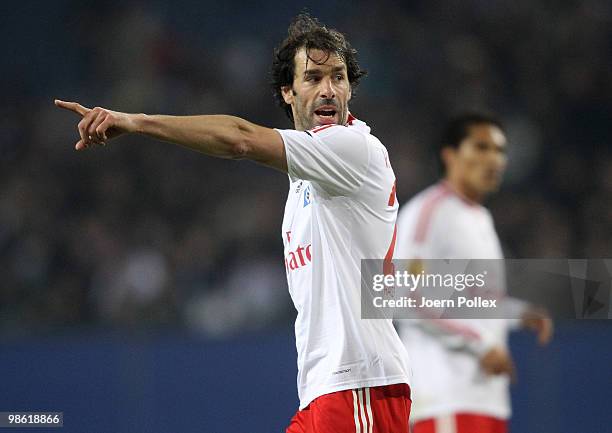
{"x": 298, "y": 126}
{"x": 463, "y": 191}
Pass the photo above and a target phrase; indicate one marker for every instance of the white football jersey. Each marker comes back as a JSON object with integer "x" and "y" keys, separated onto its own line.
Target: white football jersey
{"x": 341, "y": 208}
{"x": 439, "y": 224}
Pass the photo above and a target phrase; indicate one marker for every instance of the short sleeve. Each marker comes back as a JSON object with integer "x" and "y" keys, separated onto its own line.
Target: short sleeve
{"x": 335, "y": 158}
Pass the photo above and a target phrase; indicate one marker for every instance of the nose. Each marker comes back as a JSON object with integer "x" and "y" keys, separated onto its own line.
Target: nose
{"x": 499, "y": 157}
{"x": 497, "y": 160}
{"x": 326, "y": 90}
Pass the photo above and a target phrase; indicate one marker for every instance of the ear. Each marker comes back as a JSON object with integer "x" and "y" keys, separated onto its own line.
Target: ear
{"x": 288, "y": 96}
{"x": 448, "y": 156}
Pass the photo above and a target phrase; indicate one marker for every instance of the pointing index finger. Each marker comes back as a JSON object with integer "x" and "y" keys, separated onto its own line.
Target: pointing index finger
{"x": 72, "y": 106}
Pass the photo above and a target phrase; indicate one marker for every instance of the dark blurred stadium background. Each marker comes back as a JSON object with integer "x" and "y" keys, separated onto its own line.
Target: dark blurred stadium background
{"x": 147, "y": 280}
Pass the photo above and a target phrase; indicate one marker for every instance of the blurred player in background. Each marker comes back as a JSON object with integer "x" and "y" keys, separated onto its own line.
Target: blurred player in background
{"x": 352, "y": 373}
{"x": 461, "y": 367}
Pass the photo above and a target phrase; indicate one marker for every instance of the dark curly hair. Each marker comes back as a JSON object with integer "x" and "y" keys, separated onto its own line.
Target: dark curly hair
{"x": 306, "y": 31}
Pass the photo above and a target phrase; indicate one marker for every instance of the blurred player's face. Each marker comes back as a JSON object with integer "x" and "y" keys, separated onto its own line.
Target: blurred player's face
{"x": 478, "y": 164}
{"x": 320, "y": 91}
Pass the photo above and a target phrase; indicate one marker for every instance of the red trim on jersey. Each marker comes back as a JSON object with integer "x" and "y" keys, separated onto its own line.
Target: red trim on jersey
{"x": 350, "y": 119}
{"x": 388, "y": 267}
{"x": 427, "y": 209}
{"x": 322, "y": 127}
{"x": 391, "y": 201}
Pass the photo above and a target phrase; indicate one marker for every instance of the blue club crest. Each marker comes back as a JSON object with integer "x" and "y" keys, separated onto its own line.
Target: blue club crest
{"x": 307, "y": 196}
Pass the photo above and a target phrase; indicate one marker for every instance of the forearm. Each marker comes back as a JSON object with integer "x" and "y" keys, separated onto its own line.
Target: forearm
{"x": 215, "y": 135}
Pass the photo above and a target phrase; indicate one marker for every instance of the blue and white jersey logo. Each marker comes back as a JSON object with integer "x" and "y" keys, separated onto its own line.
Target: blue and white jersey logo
{"x": 307, "y": 196}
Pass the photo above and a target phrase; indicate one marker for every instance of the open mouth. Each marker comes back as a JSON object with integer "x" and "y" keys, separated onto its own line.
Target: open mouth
{"x": 326, "y": 115}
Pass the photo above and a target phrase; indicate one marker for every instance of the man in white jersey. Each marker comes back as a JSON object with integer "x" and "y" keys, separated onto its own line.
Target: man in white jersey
{"x": 352, "y": 373}
{"x": 461, "y": 367}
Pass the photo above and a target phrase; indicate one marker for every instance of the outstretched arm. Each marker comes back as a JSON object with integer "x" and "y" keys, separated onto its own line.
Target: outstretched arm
{"x": 215, "y": 135}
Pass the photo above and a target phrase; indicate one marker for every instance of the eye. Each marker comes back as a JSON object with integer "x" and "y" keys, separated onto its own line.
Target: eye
{"x": 339, "y": 77}
{"x": 482, "y": 146}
